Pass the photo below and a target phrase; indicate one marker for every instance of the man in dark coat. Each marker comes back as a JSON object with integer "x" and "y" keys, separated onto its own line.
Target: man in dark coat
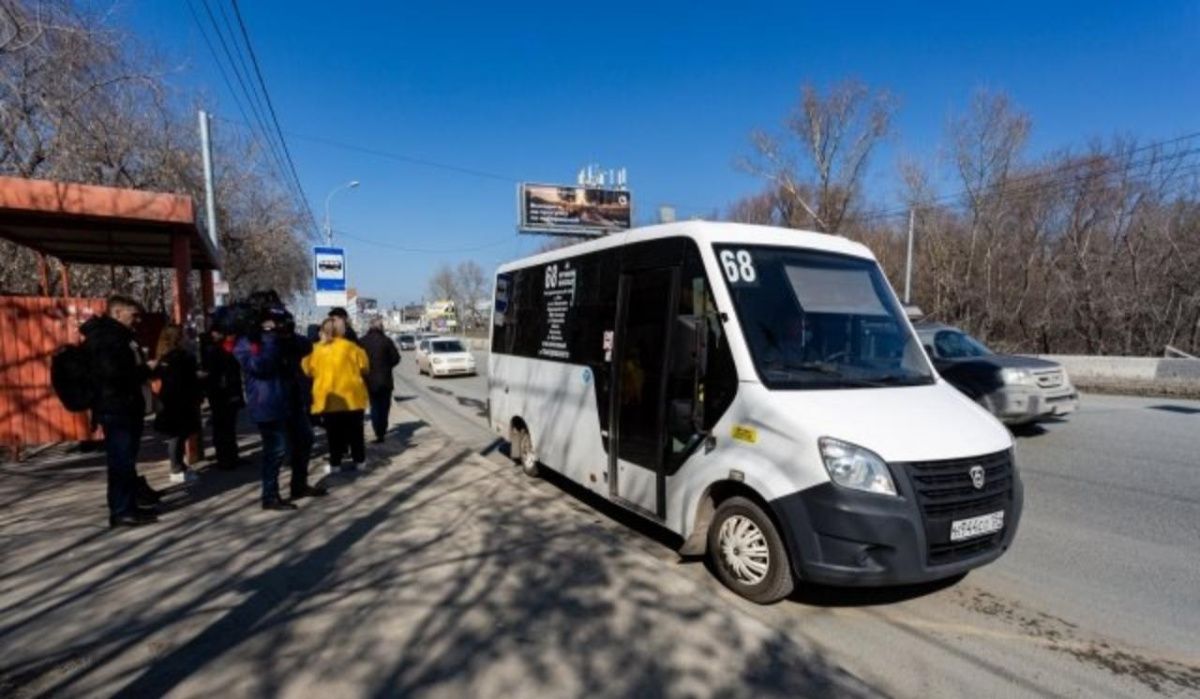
{"x": 293, "y": 349}
{"x": 223, "y": 387}
{"x": 119, "y": 372}
{"x": 383, "y": 357}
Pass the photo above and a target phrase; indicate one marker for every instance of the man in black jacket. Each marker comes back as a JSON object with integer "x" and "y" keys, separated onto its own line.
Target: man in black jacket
{"x": 383, "y": 357}
{"x": 119, "y": 373}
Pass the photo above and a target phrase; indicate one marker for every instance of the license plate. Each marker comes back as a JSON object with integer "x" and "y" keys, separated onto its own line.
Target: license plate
{"x": 976, "y": 526}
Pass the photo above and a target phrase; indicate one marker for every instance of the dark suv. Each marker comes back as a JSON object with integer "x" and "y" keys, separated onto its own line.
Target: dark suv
{"x": 1016, "y": 389}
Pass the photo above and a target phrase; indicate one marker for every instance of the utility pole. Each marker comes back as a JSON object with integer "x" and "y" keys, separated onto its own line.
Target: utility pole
{"x": 908, "y": 259}
{"x": 210, "y": 196}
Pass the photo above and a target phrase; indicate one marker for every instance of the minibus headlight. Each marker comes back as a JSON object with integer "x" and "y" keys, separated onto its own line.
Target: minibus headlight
{"x": 851, "y": 466}
{"x": 1017, "y": 377}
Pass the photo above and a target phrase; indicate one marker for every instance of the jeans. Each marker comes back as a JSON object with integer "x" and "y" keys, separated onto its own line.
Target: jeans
{"x": 224, "y": 434}
{"x": 381, "y": 405}
{"x": 300, "y": 444}
{"x": 177, "y": 453}
{"x": 274, "y": 449}
{"x": 345, "y": 432}
{"x": 122, "y": 439}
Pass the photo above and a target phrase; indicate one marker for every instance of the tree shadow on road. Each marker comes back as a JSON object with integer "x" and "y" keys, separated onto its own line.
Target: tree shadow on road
{"x": 436, "y": 573}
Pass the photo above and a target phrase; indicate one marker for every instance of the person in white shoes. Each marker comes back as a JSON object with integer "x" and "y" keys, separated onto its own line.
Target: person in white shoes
{"x": 337, "y": 367}
{"x": 180, "y": 394}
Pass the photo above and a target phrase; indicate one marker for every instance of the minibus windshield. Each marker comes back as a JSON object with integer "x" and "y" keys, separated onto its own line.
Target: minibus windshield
{"x": 817, "y": 320}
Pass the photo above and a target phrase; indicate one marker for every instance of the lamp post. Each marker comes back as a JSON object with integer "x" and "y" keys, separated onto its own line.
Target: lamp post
{"x": 328, "y": 225}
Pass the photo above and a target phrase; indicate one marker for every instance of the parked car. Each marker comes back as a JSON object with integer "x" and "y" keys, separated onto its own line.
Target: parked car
{"x": 406, "y": 341}
{"x": 444, "y": 356}
{"x": 1016, "y": 389}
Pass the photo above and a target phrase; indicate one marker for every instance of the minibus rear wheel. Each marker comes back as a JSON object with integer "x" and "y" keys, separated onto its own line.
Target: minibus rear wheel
{"x": 747, "y": 552}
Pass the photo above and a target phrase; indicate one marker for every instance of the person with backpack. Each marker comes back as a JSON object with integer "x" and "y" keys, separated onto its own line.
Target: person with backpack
{"x": 178, "y": 417}
{"x": 118, "y": 373}
{"x": 383, "y": 358}
{"x": 223, "y": 387}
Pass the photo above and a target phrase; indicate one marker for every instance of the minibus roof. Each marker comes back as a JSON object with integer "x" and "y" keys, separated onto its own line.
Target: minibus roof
{"x": 705, "y": 233}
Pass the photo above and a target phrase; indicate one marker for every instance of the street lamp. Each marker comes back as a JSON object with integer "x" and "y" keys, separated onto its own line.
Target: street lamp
{"x": 329, "y": 226}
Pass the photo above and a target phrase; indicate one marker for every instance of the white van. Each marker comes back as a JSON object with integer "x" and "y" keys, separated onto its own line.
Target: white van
{"x": 758, "y": 391}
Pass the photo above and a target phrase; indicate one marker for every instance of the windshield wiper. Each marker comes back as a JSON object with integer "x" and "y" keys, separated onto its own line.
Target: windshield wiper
{"x": 828, "y": 369}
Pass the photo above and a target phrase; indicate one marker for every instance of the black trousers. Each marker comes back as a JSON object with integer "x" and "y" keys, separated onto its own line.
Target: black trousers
{"x": 224, "y": 434}
{"x": 345, "y": 432}
{"x": 122, "y": 439}
{"x": 381, "y": 405}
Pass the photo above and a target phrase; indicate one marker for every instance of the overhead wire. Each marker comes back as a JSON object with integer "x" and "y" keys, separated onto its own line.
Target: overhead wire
{"x": 261, "y": 132}
{"x": 274, "y": 116}
{"x": 432, "y": 251}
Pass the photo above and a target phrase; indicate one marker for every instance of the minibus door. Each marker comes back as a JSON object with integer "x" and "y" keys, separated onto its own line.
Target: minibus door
{"x": 646, "y": 299}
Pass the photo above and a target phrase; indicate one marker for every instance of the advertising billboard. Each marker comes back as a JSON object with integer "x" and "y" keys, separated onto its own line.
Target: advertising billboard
{"x": 572, "y": 209}
{"x": 329, "y": 276}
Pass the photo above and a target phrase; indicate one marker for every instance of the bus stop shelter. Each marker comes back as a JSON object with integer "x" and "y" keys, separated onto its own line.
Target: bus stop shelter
{"x": 93, "y": 225}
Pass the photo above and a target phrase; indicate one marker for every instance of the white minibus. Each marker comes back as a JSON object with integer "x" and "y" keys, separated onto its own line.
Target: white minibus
{"x": 758, "y": 391}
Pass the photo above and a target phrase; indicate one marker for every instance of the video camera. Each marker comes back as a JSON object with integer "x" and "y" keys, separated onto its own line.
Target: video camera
{"x": 246, "y": 317}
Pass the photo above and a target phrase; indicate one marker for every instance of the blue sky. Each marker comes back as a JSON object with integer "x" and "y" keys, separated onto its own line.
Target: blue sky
{"x": 532, "y": 91}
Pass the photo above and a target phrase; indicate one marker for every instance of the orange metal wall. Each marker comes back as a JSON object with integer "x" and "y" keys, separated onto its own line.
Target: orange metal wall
{"x": 31, "y": 328}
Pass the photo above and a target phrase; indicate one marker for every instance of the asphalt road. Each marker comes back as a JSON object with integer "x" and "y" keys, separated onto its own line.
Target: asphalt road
{"x": 1099, "y": 596}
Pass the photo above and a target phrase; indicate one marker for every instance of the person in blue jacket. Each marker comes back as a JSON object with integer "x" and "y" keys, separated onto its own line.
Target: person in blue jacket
{"x": 275, "y": 401}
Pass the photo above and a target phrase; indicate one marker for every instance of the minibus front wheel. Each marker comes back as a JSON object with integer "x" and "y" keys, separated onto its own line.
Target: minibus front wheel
{"x": 747, "y": 552}
{"x": 522, "y": 450}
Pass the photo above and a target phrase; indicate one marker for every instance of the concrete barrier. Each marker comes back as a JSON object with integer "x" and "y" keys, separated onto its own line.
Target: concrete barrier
{"x": 1133, "y": 374}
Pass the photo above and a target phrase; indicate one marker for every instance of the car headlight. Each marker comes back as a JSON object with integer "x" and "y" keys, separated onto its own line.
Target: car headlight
{"x": 1017, "y": 377}
{"x": 851, "y": 466}
{"x": 436, "y": 360}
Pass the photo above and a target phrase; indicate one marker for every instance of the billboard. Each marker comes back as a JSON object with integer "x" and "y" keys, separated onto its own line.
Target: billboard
{"x": 329, "y": 276}
{"x": 572, "y": 209}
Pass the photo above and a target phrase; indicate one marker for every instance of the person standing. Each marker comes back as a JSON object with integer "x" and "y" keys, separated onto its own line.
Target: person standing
{"x": 119, "y": 373}
{"x": 383, "y": 357}
{"x": 259, "y": 354}
{"x": 294, "y": 348}
{"x": 223, "y": 386}
{"x": 178, "y": 417}
{"x": 337, "y": 366}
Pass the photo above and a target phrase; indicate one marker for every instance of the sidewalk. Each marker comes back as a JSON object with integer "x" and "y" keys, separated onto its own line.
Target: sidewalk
{"x": 436, "y": 573}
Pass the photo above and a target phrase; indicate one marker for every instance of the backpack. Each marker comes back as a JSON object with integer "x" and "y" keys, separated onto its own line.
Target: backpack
{"x": 71, "y": 377}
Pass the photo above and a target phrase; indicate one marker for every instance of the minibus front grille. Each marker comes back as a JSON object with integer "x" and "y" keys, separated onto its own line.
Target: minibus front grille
{"x": 945, "y": 491}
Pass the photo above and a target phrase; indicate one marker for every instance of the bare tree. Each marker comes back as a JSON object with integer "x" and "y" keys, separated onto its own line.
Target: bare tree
{"x": 473, "y": 289}
{"x": 816, "y": 167}
{"x": 78, "y": 104}
{"x": 443, "y": 285}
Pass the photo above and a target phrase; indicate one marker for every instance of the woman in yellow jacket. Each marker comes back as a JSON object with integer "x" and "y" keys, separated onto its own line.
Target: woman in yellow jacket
{"x": 336, "y": 366}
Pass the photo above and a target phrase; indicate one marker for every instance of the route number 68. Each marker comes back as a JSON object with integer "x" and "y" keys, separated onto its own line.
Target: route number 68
{"x": 738, "y": 266}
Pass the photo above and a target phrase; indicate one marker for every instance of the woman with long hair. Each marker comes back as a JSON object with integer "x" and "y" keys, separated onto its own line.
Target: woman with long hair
{"x": 337, "y": 366}
{"x": 180, "y": 395}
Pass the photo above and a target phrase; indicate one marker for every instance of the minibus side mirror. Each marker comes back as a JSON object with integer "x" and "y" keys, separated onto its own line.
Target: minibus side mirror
{"x": 929, "y": 350}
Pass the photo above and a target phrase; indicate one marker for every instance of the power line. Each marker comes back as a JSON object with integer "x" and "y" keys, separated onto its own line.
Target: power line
{"x": 272, "y": 152}
{"x": 1045, "y": 181}
{"x": 247, "y": 93}
{"x": 401, "y": 157}
{"x": 401, "y": 248}
{"x": 271, "y": 108}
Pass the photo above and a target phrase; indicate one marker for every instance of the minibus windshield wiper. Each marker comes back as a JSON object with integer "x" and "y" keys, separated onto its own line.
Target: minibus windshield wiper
{"x": 828, "y": 369}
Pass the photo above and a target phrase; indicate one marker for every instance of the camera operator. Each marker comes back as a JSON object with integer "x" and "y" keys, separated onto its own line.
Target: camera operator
{"x": 294, "y": 347}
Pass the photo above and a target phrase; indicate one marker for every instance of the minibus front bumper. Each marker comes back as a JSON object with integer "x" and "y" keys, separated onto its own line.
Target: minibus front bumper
{"x": 844, "y": 537}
